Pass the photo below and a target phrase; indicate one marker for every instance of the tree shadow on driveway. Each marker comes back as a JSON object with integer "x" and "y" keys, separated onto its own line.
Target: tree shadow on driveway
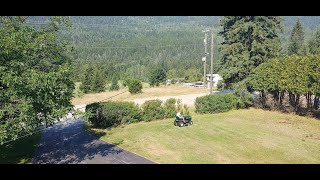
{"x": 69, "y": 143}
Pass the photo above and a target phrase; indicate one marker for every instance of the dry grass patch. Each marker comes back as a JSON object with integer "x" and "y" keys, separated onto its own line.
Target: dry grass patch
{"x": 147, "y": 93}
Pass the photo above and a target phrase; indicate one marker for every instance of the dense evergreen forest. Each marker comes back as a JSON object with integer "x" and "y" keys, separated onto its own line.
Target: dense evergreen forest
{"x": 132, "y": 46}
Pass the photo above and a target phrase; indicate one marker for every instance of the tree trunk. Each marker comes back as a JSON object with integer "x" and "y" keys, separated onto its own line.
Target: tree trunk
{"x": 297, "y": 102}
{"x": 292, "y": 99}
{"x": 316, "y": 102}
{"x": 307, "y": 99}
{"x": 310, "y": 101}
{"x": 276, "y": 97}
{"x": 263, "y": 99}
{"x": 281, "y": 97}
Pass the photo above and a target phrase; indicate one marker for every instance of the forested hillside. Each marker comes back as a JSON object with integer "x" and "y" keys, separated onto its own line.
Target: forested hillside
{"x": 131, "y": 46}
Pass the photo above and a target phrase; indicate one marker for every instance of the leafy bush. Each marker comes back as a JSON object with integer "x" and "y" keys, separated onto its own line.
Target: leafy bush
{"x": 221, "y": 85}
{"x": 152, "y": 110}
{"x": 215, "y": 103}
{"x": 78, "y": 92}
{"x": 170, "y": 107}
{"x": 186, "y": 111}
{"x": 179, "y": 105}
{"x": 109, "y": 114}
{"x": 135, "y": 86}
{"x": 173, "y": 81}
{"x": 244, "y": 99}
{"x": 125, "y": 82}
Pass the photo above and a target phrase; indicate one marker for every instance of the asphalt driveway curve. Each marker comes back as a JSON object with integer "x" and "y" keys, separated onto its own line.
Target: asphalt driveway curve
{"x": 68, "y": 143}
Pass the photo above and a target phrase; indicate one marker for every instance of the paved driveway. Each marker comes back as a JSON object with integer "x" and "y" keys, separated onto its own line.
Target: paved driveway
{"x": 68, "y": 143}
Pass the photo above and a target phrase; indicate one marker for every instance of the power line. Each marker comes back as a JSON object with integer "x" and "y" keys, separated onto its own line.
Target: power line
{"x": 97, "y": 25}
{"x": 122, "y": 27}
{"x": 106, "y": 98}
{"x": 131, "y": 47}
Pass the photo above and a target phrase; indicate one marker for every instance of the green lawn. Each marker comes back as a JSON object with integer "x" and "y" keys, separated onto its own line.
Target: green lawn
{"x": 238, "y": 136}
{"x": 20, "y": 151}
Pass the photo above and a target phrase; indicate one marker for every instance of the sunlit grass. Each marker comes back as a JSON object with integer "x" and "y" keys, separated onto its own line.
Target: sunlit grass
{"x": 238, "y": 136}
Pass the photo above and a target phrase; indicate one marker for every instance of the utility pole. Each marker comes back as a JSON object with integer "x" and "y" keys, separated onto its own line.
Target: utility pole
{"x": 211, "y": 68}
{"x": 204, "y": 59}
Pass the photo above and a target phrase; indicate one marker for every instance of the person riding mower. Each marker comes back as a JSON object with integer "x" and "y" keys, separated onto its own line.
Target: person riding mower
{"x": 182, "y": 120}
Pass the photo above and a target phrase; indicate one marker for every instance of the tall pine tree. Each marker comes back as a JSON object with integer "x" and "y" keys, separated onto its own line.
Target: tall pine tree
{"x": 314, "y": 43}
{"x": 247, "y": 42}
{"x": 99, "y": 83}
{"x": 296, "y": 39}
{"x": 88, "y": 83}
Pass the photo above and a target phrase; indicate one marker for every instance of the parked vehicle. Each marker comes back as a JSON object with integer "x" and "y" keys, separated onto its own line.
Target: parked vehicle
{"x": 199, "y": 84}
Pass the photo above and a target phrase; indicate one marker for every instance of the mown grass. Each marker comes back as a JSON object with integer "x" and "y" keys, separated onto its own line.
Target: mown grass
{"x": 20, "y": 151}
{"x": 237, "y": 136}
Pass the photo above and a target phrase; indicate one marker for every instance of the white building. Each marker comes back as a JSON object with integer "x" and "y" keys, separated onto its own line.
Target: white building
{"x": 216, "y": 79}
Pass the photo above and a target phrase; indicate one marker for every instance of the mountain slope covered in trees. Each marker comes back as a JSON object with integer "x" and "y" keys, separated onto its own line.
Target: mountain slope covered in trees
{"x": 132, "y": 46}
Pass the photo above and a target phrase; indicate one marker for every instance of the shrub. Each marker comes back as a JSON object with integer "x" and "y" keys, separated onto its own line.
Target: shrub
{"x": 78, "y": 92}
{"x": 152, "y": 110}
{"x": 170, "y": 108}
{"x": 173, "y": 81}
{"x": 135, "y": 86}
{"x": 109, "y": 114}
{"x": 221, "y": 85}
{"x": 215, "y": 103}
{"x": 125, "y": 82}
{"x": 186, "y": 111}
{"x": 179, "y": 105}
{"x": 244, "y": 99}
{"x": 92, "y": 111}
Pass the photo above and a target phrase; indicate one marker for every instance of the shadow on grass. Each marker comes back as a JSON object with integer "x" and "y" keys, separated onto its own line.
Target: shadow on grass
{"x": 19, "y": 151}
{"x": 98, "y": 134}
{"x": 302, "y": 111}
{"x": 316, "y": 114}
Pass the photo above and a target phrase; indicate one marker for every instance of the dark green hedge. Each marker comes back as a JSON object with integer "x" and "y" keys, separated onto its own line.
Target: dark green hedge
{"x": 215, "y": 103}
{"x": 153, "y": 110}
{"x": 107, "y": 114}
{"x": 135, "y": 86}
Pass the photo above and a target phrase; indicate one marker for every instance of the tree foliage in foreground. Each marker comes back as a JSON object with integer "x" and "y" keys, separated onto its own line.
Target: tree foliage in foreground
{"x": 35, "y": 84}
